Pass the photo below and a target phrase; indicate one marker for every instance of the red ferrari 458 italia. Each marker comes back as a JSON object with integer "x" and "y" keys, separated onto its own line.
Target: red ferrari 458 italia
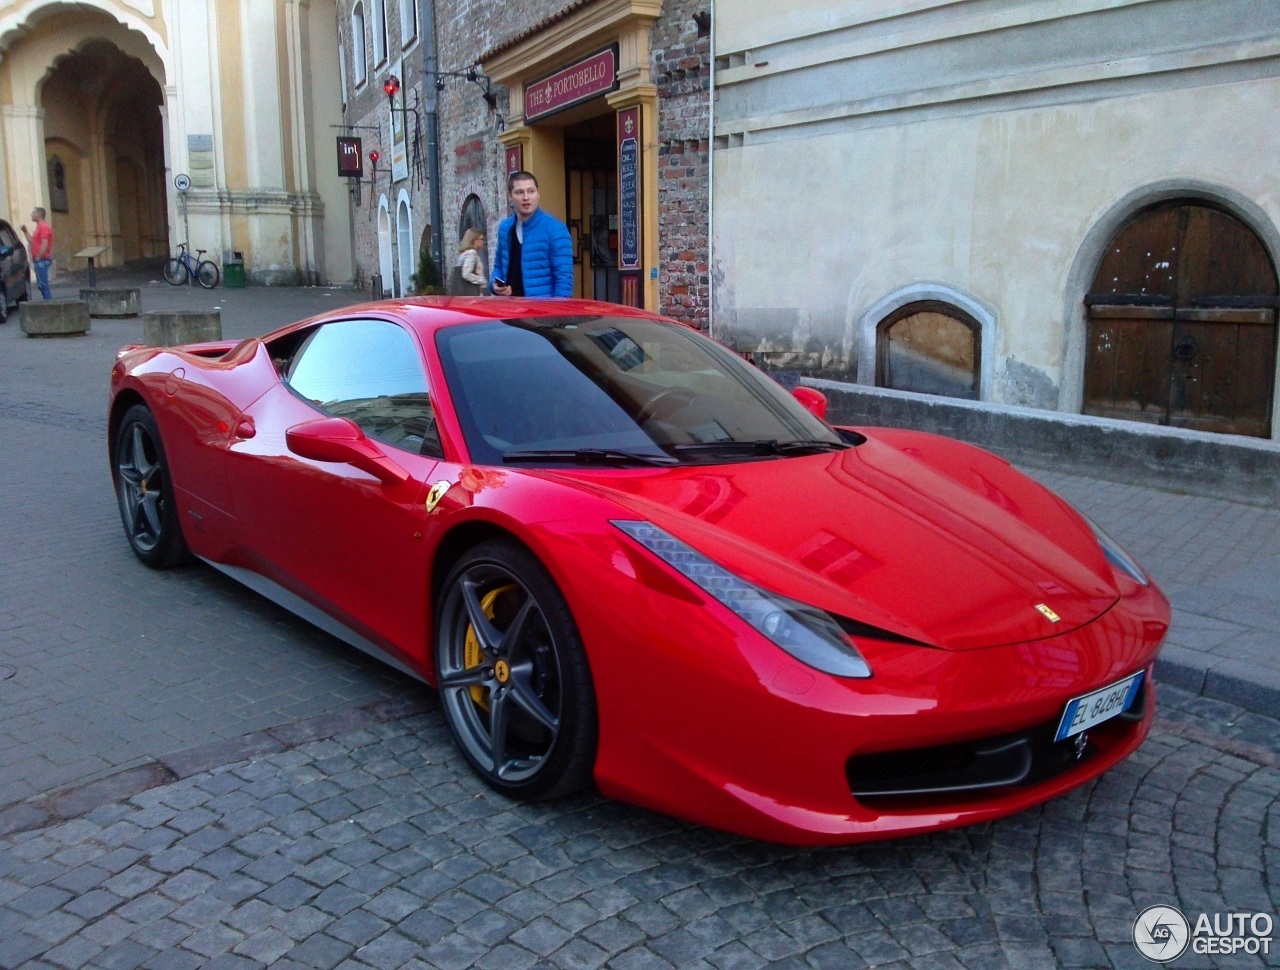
{"x": 623, "y": 554}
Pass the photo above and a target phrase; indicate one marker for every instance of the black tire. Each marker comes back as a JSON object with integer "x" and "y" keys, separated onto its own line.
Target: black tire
{"x": 518, "y": 697}
{"x": 175, "y": 272}
{"x": 25, "y": 295}
{"x": 144, "y": 490}
{"x": 4, "y": 306}
{"x": 207, "y": 274}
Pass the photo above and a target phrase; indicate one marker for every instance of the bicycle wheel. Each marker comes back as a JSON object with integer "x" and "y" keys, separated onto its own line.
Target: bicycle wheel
{"x": 207, "y": 274}
{"x": 175, "y": 272}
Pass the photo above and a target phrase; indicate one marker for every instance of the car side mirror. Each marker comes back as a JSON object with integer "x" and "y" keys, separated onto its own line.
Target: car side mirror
{"x": 813, "y": 401}
{"x": 341, "y": 440}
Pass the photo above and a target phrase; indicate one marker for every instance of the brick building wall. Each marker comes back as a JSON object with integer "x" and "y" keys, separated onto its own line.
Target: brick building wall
{"x": 682, "y": 71}
{"x": 367, "y": 112}
{"x": 471, "y": 157}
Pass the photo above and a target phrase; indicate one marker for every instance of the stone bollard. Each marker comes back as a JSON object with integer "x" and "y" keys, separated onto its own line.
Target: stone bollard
{"x": 173, "y": 327}
{"x": 126, "y": 302}
{"x": 55, "y": 318}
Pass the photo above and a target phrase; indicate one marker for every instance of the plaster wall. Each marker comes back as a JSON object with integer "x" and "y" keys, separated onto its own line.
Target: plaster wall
{"x": 865, "y": 148}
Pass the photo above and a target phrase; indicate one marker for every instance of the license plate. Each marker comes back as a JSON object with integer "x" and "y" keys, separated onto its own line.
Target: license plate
{"x": 1084, "y": 712}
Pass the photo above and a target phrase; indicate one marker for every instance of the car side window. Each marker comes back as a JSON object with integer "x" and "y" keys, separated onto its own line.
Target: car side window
{"x": 371, "y": 372}
{"x": 7, "y": 236}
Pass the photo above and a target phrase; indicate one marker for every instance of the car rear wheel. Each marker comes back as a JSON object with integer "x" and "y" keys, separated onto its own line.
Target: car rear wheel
{"x": 513, "y": 676}
{"x": 4, "y": 306}
{"x": 144, "y": 488}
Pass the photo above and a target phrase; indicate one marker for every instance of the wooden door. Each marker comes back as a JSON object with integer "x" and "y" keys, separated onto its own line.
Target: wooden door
{"x": 1182, "y": 324}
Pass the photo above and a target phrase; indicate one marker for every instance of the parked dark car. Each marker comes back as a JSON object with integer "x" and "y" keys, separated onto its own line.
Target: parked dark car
{"x": 15, "y": 270}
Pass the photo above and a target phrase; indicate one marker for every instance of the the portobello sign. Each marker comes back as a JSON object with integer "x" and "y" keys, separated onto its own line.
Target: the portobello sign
{"x": 584, "y": 79}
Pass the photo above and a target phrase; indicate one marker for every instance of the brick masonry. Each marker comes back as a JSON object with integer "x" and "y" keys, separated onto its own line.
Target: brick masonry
{"x": 472, "y": 157}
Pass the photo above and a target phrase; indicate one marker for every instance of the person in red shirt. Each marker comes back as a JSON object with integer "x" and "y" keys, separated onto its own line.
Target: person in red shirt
{"x": 41, "y": 242}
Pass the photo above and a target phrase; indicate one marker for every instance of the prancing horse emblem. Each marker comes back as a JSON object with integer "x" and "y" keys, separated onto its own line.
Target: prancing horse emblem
{"x": 436, "y": 494}
{"x": 1051, "y": 616}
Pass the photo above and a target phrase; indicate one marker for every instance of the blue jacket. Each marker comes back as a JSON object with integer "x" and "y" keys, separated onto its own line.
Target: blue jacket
{"x": 546, "y": 255}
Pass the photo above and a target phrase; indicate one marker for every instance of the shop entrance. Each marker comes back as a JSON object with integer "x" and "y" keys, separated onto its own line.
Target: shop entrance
{"x": 591, "y": 203}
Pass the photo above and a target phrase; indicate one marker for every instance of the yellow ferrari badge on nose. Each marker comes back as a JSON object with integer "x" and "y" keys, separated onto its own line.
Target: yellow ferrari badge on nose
{"x": 436, "y": 494}
{"x": 1051, "y": 616}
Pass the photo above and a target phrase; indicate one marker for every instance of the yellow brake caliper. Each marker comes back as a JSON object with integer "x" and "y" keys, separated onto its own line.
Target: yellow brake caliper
{"x": 472, "y": 655}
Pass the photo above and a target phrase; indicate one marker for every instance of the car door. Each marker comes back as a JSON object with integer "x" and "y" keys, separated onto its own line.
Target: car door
{"x": 340, "y": 536}
{"x": 13, "y": 265}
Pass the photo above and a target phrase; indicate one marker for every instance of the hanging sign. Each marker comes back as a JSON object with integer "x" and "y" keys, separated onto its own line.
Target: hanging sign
{"x": 515, "y": 158}
{"x": 586, "y": 79}
{"x": 350, "y": 157}
{"x": 629, "y": 188}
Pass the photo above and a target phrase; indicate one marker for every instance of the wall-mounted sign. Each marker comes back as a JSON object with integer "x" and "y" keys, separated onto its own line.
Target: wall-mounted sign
{"x": 182, "y": 182}
{"x": 515, "y": 158}
{"x": 201, "y": 163}
{"x": 350, "y": 157}
{"x": 578, "y": 82}
{"x": 629, "y": 188}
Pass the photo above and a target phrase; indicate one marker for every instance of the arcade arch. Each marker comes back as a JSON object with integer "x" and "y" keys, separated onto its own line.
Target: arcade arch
{"x": 84, "y": 100}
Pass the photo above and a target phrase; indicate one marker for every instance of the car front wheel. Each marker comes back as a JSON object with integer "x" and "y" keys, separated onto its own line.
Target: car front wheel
{"x": 144, "y": 488}
{"x": 513, "y": 676}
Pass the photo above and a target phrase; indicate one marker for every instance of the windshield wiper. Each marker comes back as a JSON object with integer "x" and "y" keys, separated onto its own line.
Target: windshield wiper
{"x": 765, "y": 448}
{"x": 587, "y": 456}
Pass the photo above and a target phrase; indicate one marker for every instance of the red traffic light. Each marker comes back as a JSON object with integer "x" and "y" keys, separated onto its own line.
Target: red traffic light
{"x": 391, "y": 85}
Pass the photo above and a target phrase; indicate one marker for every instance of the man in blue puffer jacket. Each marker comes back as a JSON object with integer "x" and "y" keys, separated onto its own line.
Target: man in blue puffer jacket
{"x": 535, "y": 253}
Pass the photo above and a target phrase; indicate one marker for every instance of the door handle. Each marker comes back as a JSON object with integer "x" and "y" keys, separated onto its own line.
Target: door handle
{"x": 245, "y": 428}
{"x": 1185, "y": 348}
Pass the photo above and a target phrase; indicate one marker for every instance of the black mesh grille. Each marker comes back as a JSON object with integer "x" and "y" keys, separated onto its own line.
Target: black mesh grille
{"x": 1002, "y": 761}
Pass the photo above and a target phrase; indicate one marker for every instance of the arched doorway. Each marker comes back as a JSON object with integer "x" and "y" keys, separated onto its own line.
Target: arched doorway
{"x": 104, "y": 151}
{"x": 1181, "y": 323}
{"x": 386, "y": 265}
{"x": 404, "y": 243}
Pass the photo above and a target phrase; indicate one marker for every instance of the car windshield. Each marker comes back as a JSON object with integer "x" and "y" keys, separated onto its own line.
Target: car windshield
{"x": 616, "y": 390}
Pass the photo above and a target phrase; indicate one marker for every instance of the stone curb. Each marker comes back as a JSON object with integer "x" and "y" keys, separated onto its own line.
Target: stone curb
{"x": 77, "y": 800}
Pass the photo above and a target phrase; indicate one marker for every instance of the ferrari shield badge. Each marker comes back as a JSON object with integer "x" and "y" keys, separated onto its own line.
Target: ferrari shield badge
{"x": 1051, "y": 616}
{"x": 436, "y": 494}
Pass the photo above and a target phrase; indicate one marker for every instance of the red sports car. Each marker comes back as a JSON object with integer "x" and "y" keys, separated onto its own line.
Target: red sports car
{"x": 621, "y": 553}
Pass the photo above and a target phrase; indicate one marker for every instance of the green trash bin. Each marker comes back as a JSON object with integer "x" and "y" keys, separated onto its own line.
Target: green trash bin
{"x": 233, "y": 271}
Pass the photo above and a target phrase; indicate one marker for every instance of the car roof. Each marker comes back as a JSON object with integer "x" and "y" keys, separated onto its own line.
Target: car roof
{"x": 429, "y": 313}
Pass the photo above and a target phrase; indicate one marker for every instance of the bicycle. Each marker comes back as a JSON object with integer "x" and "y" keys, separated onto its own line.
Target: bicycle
{"x": 184, "y": 266}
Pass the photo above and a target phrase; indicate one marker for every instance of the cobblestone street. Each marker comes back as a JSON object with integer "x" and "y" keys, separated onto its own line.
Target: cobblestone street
{"x": 378, "y": 848}
{"x": 189, "y": 777}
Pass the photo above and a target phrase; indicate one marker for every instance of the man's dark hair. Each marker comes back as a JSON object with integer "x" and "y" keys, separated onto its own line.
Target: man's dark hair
{"x": 521, "y": 176}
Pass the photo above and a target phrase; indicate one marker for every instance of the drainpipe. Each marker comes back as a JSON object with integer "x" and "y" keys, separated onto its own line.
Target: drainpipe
{"x": 431, "y": 66}
{"x": 711, "y": 180}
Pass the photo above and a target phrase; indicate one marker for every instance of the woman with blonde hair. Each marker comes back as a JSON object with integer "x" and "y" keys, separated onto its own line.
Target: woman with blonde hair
{"x": 468, "y": 278}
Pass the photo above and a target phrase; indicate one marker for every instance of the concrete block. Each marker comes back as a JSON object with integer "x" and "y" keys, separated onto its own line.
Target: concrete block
{"x": 102, "y": 302}
{"x": 174, "y": 327}
{"x": 55, "y": 318}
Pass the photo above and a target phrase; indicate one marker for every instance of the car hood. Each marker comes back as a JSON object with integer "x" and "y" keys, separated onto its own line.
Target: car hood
{"x": 962, "y": 552}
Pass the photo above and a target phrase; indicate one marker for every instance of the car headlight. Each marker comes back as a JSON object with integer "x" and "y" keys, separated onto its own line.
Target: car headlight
{"x": 1116, "y": 555}
{"x": 809, "y": 634}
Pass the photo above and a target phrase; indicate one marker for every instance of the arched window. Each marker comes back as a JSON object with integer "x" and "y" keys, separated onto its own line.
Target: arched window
{"x": 930, "y": 347}
{"x": 357, "y": 44}
{"x": 1182, "y": 323}
{"x": 408, "y": 21}
{"x": 379, "y": 10}
{"x": 404, "y": 244}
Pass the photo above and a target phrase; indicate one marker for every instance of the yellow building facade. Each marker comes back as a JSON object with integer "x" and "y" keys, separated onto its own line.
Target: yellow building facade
{"x": 139, "y": 124}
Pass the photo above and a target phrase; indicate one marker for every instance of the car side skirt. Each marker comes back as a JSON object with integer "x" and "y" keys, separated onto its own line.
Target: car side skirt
{"x": 316, "y": 617}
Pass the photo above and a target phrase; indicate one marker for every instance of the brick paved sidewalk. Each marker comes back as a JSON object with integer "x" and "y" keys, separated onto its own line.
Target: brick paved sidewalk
{"x": 1219, "y": 564}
